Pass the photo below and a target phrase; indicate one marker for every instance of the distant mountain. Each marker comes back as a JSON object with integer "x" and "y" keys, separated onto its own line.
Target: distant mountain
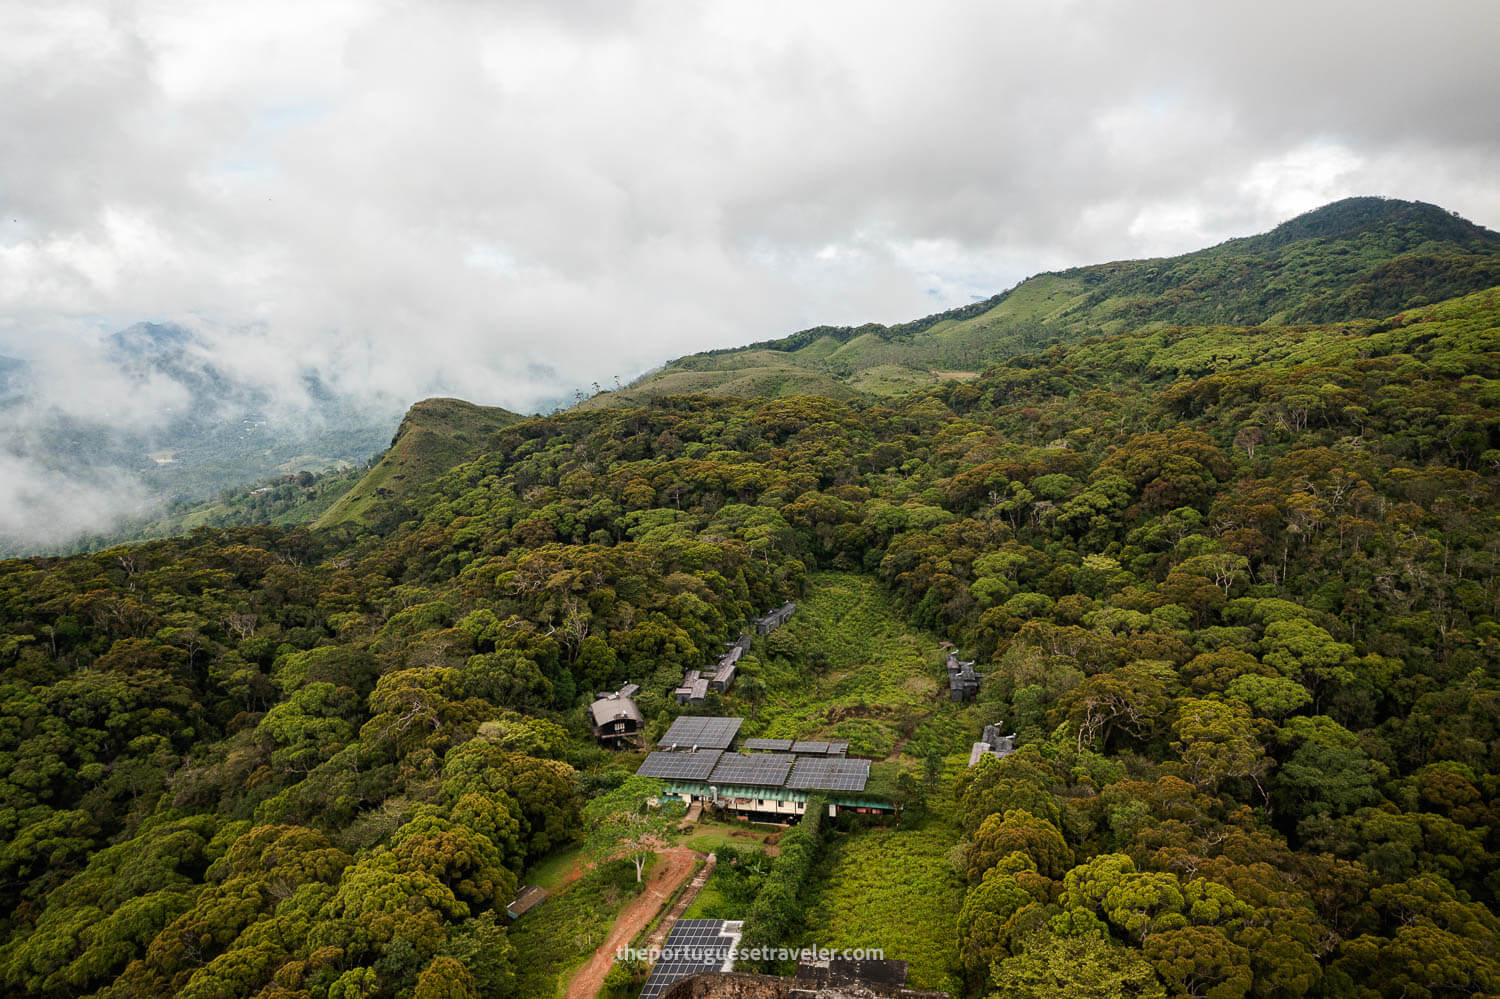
{"x": 1356, "y": 258}
{"x": 228, "y": 434}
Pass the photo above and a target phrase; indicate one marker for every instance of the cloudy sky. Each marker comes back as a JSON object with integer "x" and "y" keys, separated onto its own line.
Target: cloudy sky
{"x": 505, "y": 200}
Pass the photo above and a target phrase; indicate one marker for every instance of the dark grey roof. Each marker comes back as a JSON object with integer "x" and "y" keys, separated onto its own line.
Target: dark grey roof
{"x": 527, "y": 898}
{"x": 754, "y": 770}
{"x": 829, "y": 774}
{"x": 694, "y": 945}
{"x": 705, "y": 732}
{"x": 680, "y": 766}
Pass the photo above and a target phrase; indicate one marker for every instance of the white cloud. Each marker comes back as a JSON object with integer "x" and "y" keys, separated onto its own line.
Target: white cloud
{"x": 458, "y": 197}
{"x": 77, "y": 502}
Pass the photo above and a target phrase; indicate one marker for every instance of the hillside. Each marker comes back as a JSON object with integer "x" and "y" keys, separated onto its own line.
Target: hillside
{"x": 1357, "y": 258}
{"x": 1233, "y": 588}
{"x": 284, "y": 501}
{"x": 435, "y": 435}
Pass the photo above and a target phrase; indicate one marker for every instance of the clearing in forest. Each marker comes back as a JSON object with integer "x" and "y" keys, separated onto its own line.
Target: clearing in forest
{"x": 895, "y": 890}
{"x": 846, "y": 666}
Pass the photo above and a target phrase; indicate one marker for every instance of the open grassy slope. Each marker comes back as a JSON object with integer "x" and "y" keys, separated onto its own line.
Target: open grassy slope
{"x": 895, "y": 890}
{"x": 846, "y": 666}
{"x": 435, "y": 435}
{"x": 1357, "y": 258}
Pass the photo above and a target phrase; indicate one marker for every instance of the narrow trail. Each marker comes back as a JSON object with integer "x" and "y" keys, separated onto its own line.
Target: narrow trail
{"x": 676, "y": 864}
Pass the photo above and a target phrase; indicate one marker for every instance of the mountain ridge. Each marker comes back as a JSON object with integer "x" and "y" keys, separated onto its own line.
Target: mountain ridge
{"x": 1362, "y": 257}
{"x": 434, "y": 435}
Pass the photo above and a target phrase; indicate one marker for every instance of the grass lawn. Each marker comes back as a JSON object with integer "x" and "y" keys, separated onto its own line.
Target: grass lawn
{"x": 895, "y": 890}
{"x": 707, "y": 836}
{"x": 556, "y": 937}
{"x": 552, "y": 870}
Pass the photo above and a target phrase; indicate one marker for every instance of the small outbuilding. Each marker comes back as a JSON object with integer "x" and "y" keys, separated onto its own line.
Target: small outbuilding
{"x": 963, "y": 682}
{"x": 617, "y": 719}
{"x": 526, "y": 899}
{"x": 774, "y": 619}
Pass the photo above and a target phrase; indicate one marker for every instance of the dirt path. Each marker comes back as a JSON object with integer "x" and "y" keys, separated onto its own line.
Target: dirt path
{"x": 659, "y": 935}
{"x": 676, "y": 864}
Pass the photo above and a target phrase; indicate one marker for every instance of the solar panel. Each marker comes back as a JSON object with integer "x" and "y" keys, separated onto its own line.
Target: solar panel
{"x": 756, "y": 770}
{"x": 770, "y": 745}
{"x": 680, "y": 766}
{"x": 707, "y": 733}
{"x": 694, "y": 945}
{"x": 838, "y": 748}
{"x": 823, "y": 774}
{"x": 810, "y": 748}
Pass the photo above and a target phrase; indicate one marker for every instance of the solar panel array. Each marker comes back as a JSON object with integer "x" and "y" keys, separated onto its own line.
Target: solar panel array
{"x": 810, "y": 748}
{"x": 694, "y": 945}
{"x": 771, "y": 745}
{"x": 835, "y": 774}
{"x": 755, "y": 770}
{"x": 838, "y": 748}
{"x": 706, "y": 733}
{"x": 681, "y": 766}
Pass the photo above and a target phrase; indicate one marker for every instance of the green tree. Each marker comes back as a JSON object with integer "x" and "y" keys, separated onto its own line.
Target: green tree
{"x": 1083, "y": 966}
{"x": 631, "y": 822}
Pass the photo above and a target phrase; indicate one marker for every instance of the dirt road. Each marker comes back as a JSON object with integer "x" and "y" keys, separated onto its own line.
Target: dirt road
{"x": 675, "y": 865}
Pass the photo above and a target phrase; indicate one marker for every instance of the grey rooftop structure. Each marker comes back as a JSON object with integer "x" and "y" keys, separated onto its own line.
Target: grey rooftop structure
{"x": 615, "y": 716}
{"x": 703, "y": 732}
{"x": 992, "y": 743}
{"x": 719, "y": 676}
{"x": 963, "y": 682}
{"x": 774, "y": 619}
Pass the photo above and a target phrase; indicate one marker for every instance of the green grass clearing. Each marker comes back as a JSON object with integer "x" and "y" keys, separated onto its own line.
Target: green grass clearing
{"x": 846, "y": 666}
{"x": 893, "y": 889}
{"x": 551, "y": 871}
{"x": 710, "y": 837}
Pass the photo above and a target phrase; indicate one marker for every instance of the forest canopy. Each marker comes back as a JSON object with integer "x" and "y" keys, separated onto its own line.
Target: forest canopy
{"x": 1235, "y": 588}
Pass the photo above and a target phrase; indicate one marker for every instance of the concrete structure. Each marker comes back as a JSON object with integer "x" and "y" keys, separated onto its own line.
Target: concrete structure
{"x": 694, "y": 689}
{"x": 774, "y": 619}
{"x": 617, "y": 720}
{"x": 871, "y": 972}
{"x": 719, "y": 676}
{"x": 963, "y": 682}
{"x": 774, "y": 784}
{"x": 723, "y": 678}
{"x": 770, "y": 804}
{"x": 992, "y": 743}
